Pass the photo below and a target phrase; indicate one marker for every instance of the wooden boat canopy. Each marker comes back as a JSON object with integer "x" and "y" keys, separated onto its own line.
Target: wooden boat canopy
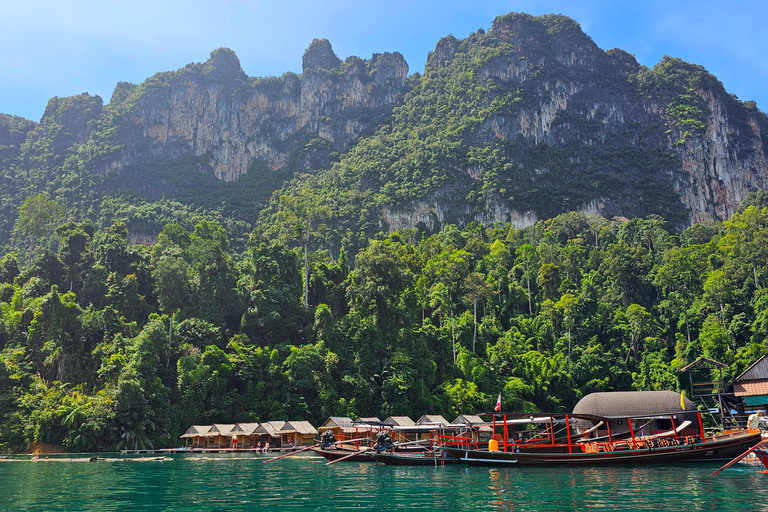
{"x": 624, "y": 404}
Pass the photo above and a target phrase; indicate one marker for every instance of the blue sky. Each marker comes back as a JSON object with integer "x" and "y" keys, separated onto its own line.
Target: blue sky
{"x": 65, "y": 47}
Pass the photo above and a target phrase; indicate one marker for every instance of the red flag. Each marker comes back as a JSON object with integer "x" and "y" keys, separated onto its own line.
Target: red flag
{"x": 498, "y": 403}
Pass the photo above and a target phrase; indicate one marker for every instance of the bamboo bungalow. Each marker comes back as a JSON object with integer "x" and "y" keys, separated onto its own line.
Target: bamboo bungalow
{"x": 426, "y": 429}
{"x": 370, "y": 424}
{"x": 371, "y": 421}
{"x": 401, "y": 421}
{"x": 219, "y": 436}
{"x": 477, "y": 429}
{"x": 297, "y": 433}
{"x": 269, "y": 434}
{"x": 435, "y": 421}
{"x": 243, "y": 435}
{"x": 430, "y": 422}
{"x": 338, "y": 425}
{"x": 344, "y": 427}
{"x": 195, "y": 437}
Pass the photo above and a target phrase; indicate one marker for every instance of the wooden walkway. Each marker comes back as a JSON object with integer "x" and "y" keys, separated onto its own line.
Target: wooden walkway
{"x": 211, "y": 450}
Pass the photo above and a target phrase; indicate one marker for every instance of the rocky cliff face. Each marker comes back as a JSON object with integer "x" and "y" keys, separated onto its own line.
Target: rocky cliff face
{"x": 580, "y": 111}
{"x": 721, "y": 166}
{"x": 214, "y": 110}
{"x": 521, "y": 123}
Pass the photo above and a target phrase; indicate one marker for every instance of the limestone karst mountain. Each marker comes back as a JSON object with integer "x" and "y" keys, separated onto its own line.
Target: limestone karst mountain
{"x": 519, "y": 123}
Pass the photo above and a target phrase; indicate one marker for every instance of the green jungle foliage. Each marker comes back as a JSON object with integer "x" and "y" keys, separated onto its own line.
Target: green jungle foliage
{"x": 138, "y": 299}
{"x": 107, "y": 345}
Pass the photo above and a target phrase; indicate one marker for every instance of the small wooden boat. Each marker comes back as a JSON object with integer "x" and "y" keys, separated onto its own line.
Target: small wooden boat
{"x": 554, "y": 439}
{"x": 349, "y": 455}
{"x": 427, "y": 458}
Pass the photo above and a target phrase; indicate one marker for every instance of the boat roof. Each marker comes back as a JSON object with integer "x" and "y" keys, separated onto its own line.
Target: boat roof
{"x": 625, "y": 404}
{"x": 545, "y": 417}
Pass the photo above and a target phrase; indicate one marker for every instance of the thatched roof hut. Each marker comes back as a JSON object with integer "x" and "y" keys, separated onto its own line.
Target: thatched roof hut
{"x": 399, "y": 421}
{"x": 298, "y": 433}
{"x": 338, "y": 424}
{"x": 245, "y": 429}
{"x": 432, "y": 419}
{"x": 220, "y": 429}
{"x": 196, "y": 431}
{"x": 372, "y": 420}
{"x": 270, "y": 428}
{"x": 243, "y": 435}
{"x": 302, "y": 427}
{"x": 473, "y": 420}
{"x": 477, "y": 428}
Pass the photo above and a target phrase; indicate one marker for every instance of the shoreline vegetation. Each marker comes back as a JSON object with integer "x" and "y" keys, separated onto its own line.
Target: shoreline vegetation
{"x": 107, "y": 346}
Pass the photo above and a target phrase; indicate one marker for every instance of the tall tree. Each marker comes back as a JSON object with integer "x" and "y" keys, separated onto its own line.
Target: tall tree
{"x": 301, "y": 215}
{"x": 172, "y": 287}
{"x": 525, "y": 261}
{"x": 477, "y": 289}
{"x": 38, "y": 217}
{"x": 682, "y": 272}
{"x": 639, "y": 321}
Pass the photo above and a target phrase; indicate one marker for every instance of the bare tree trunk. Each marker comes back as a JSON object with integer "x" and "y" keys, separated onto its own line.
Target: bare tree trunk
{"x": 474, "y": 335}
{"x": 528, "y": 281}
{"x": 306, "y": 279}
{"x": 170, "y": 337}
{"x": 453, "y": 339}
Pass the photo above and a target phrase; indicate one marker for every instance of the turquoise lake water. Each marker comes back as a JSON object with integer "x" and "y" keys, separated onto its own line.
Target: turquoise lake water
{"x": 243, "y": 482}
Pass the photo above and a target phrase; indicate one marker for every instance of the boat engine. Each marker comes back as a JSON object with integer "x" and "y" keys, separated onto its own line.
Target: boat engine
{"x": 384, "y": 443}
{"x": 327, "y": 439}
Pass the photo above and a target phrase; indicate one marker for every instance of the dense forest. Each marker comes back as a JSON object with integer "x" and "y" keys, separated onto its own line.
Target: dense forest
{"x": 209, "y": 247}
{"x": 108, "y": 345}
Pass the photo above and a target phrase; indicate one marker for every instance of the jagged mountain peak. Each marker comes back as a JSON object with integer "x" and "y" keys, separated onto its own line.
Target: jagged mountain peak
{"x": 223, "y": 65}
{"x": 319, "y": 55}
{"x": 517, "y": 123}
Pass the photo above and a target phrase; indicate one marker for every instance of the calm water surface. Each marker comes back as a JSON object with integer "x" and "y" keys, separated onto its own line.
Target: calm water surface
{"x": 242, "y": 482}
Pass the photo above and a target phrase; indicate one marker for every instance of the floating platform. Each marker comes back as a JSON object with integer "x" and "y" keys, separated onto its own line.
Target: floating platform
{"x": 209, "y": 450}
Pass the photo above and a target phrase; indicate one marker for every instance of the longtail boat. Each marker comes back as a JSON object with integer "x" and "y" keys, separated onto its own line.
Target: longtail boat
{"x": 427, "y": 458}
{"x": 583, "y": 439}
{"x": 349, "y": 455}
{"x": 384, "y": 449}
